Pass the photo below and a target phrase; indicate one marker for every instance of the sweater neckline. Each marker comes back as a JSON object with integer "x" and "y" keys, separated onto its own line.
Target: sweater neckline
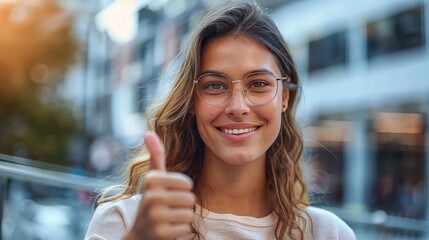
{"x": 265, "y": 221}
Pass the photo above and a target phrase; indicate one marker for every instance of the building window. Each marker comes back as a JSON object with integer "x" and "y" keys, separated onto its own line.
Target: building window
{"x": 399, "y": 164}
{"x": 401, "y": 31}
{"x": 325, "y": 154}
{"x": 327, "y": 51}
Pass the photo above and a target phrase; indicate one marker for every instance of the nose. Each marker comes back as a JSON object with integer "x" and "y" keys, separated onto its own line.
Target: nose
{"x": 237, "y": 105}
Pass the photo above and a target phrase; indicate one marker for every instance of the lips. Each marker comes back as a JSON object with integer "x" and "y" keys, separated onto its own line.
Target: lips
{"x": 238, "y": 131}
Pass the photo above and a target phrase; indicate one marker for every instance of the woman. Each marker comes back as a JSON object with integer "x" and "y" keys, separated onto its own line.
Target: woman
{"x": 230, "y": 164}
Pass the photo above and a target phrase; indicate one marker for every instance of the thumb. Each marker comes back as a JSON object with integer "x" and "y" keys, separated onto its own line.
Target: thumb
{"x": 156, "y": 150}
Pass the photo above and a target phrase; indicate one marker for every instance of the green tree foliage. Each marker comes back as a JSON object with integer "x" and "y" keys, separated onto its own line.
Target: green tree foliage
{"x": 37, "y": 46}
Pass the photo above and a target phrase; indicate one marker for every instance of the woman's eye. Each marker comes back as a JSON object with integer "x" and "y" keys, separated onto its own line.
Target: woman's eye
{"x": 258, "y": 84}
{"x": 214, "y": 86}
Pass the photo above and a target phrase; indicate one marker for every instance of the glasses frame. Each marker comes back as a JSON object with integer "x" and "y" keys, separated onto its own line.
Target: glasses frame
{"x": 286, "y": 80}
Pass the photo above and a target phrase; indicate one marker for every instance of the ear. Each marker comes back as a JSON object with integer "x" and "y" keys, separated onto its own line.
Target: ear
{"x": 285, "y": 100}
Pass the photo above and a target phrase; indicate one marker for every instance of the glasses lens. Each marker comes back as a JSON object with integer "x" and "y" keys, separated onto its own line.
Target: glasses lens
{"x": 260, "y": 88}
{"x": 213, "y": 88}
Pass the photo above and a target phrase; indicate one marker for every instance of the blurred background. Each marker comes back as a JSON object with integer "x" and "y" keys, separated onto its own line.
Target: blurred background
{"x": 76, "y": 76}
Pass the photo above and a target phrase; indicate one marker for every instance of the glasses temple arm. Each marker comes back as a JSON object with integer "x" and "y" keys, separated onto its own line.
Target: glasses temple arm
{"x": 290, "y": 85}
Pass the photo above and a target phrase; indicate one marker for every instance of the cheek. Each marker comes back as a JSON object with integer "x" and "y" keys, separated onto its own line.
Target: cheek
{"x": 276, "y": 112}
{"x": 204, "y": 114}
{"x": 205, "y": 117}
{"x": 276, "y": 121}
{"x": 278, "y": 104}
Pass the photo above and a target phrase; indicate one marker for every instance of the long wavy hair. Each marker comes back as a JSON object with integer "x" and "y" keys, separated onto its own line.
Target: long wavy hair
{"x": 172, "y": 121}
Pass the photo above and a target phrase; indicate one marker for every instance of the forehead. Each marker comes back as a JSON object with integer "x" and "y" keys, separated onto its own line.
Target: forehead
{"x": 237, "y": 55}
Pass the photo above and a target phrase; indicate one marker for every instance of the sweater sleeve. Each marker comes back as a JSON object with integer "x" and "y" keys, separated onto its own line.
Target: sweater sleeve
{"x": 327, "y": 225}
{"x": 111, "y": 220}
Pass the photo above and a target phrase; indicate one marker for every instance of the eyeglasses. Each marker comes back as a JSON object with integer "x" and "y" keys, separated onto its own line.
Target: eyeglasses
{"x": 259, "y": 87}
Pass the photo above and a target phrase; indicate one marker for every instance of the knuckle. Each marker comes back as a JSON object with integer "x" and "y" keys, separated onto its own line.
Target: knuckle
{"x": 151, "y": 198}
{"x": 150, "y": 179}
{"x": 184, "y": 179}
{"x": 189, "y": 184}
{"x": 193, "y": 198}
{"x": 188, "y": 215}
{"x": 188, "y": 181}
{"x": 189, "y": 199}
{"x": 185, "y": 228}
{"x": 188, "y": 228}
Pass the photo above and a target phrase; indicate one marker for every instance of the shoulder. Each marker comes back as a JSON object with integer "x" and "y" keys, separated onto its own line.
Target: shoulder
{"x": 113, "y": 218}
{"x": 327, "y": 225}
{"x": 124, "y": 207}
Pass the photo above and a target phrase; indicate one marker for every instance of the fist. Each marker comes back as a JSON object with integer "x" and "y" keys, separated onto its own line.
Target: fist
{"x": 166, "y": 208}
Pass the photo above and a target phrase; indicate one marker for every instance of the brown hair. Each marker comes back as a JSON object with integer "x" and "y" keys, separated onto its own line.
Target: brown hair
{"x": 172, "y": 121}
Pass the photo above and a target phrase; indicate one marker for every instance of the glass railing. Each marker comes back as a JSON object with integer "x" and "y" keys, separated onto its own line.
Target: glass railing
{"x": 44, "y": 201}
{"x": 379, "y": 225}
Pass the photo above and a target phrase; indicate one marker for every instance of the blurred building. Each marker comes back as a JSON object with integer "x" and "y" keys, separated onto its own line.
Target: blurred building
{"x": 365, "y": 102}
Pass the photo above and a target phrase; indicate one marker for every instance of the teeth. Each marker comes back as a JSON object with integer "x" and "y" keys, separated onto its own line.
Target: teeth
{"x": 238, "y": 131}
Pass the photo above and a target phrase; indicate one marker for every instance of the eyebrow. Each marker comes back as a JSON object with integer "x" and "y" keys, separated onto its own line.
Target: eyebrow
{"x": 259, "y": 70}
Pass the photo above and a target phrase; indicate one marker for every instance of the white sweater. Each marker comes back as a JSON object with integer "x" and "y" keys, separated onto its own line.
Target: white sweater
{"x": 111, "y": 221}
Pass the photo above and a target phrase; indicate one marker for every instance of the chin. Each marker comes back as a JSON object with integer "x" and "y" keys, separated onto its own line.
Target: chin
{"x": 241, "y": 159}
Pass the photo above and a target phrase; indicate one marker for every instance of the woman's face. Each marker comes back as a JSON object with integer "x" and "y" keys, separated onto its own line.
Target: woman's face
{"x": 238, "y": 132}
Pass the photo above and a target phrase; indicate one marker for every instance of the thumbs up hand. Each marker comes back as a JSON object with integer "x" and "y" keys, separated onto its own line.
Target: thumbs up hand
{"x": 166, "y": 207}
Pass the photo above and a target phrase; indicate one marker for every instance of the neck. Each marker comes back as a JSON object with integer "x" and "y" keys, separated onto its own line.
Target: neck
{"x": 239, "y": 190}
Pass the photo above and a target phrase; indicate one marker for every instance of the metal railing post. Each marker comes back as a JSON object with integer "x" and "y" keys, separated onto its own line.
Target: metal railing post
{"x": 3, "y": 193}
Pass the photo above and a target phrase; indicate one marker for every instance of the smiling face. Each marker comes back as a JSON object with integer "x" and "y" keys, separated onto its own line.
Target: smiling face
{"x": 238, "y": 132}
